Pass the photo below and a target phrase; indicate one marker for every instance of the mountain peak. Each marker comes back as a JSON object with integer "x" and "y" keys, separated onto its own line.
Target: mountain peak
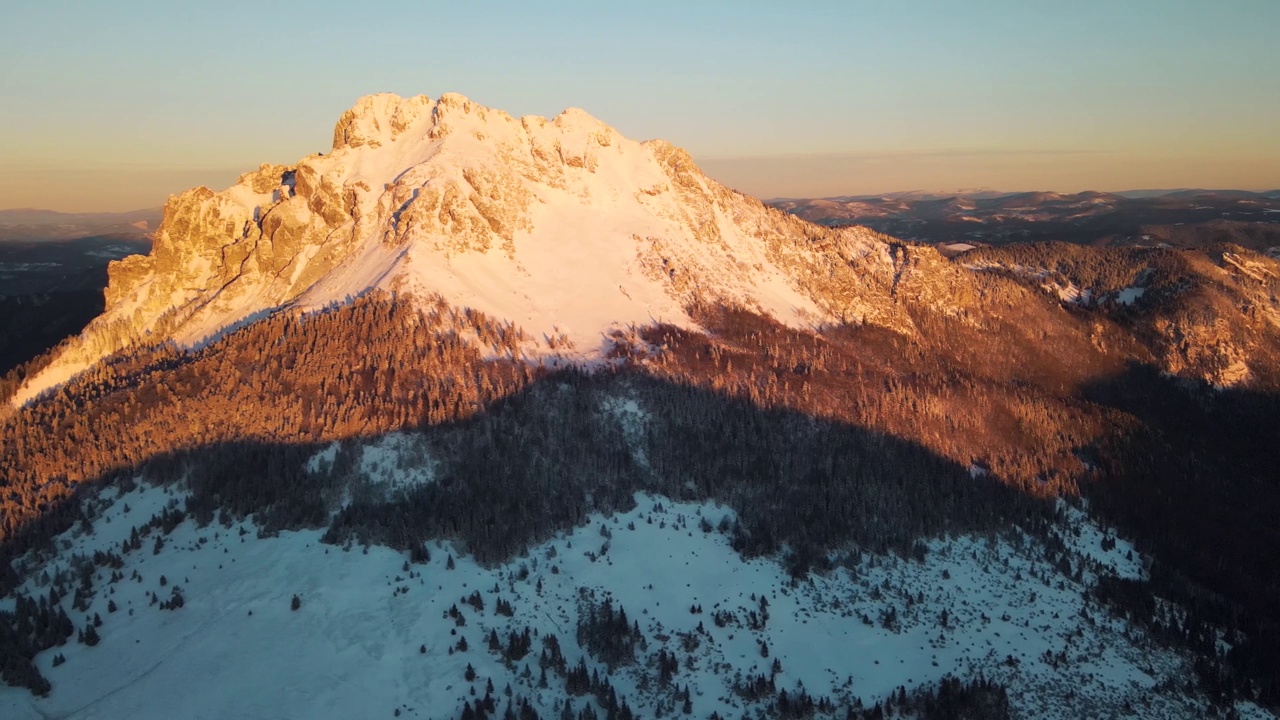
{"x": 562, "y": 227}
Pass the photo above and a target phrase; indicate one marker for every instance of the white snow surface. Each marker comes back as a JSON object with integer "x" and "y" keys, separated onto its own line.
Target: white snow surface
{"x": 1130, "y": 295}
{"x": 236, "y": 649}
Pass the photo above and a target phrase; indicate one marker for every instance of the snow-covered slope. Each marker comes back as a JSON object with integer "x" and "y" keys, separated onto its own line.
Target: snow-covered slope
{"x": 561, "y": 226}
{"x": 373, "y": 634}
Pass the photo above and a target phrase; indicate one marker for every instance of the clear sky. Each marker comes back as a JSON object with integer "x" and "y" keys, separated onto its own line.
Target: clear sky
{"x": 113, "y": 105}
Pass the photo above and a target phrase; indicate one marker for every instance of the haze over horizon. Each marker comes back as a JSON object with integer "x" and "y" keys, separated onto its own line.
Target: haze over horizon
{"x": 114, "y": 107}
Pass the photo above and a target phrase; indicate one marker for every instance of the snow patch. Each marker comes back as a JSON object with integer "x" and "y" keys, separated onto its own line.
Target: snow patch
{"x": 398, "y": 461}
{"x": 1130, "y": 295}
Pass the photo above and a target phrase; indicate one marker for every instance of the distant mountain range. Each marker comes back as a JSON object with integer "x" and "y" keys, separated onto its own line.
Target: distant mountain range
{"x": 989, "y": 194}
{"x": 1193, "y": 192}
{"x": 34, "y": 224}
{"x": 1178, "y": 218}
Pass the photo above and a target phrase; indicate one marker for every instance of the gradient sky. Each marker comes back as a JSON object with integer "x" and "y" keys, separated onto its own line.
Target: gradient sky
{"x": 114, "y": 105}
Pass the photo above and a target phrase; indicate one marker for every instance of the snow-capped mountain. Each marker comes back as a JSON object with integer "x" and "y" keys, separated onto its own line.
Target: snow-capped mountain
{"x": 562, "y": 227}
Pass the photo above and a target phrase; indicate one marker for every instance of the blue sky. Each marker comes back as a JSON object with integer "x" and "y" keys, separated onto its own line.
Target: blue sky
{"x": 114, "y": 105}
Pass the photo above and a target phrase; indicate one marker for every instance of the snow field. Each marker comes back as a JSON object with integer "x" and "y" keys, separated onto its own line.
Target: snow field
{"x": 352, "y": 649}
